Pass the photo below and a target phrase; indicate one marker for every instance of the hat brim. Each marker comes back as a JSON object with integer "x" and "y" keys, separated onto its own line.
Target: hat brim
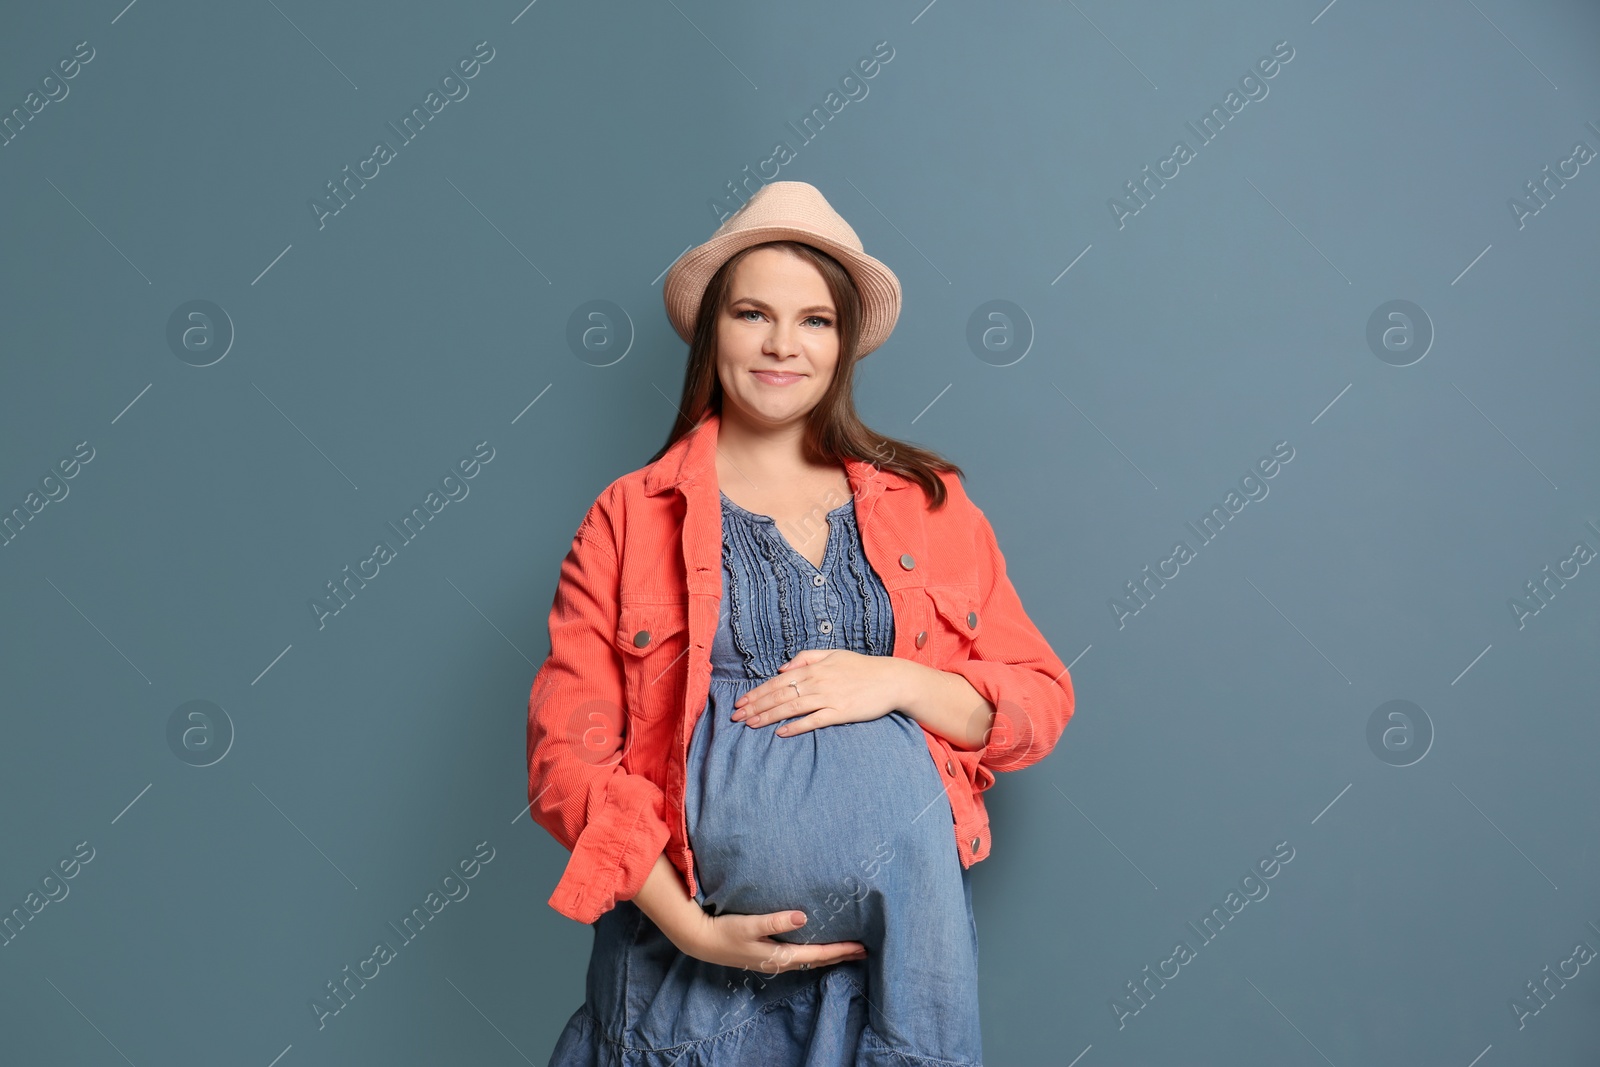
{"x": 687, "y": 279}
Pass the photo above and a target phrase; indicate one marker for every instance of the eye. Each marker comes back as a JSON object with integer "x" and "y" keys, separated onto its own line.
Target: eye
{"x": 823, "y": 319}
{"x": 742, "y": 312}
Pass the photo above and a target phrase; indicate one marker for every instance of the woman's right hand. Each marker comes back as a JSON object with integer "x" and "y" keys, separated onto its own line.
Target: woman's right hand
{"x": 745, "y": 941}
{"x": 732, "y": 940}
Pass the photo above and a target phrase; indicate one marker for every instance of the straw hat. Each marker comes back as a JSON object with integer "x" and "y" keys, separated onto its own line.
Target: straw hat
{"x": 779, "y": 211}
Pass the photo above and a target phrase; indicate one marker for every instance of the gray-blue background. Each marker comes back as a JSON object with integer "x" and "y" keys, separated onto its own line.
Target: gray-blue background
{"x": 367, "y": 755}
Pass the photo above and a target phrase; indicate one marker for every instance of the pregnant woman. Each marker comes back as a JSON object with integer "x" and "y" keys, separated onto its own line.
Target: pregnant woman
{"x": 785, "y": 662}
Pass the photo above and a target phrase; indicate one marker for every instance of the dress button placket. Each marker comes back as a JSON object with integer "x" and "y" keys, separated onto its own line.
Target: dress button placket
{"x": 820, "y": 580}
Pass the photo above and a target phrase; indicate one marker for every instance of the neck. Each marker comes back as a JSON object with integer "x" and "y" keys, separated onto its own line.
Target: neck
{"x": 760, "y": 452}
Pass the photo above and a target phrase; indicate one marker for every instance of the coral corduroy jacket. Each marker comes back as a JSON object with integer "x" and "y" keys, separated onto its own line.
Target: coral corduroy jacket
{"x": 629, "y": 670}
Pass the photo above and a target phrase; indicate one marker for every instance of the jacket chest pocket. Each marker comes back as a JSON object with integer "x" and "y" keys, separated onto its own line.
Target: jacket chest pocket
{"x": 954, "y": 622}
{"x": 654, "y": 642}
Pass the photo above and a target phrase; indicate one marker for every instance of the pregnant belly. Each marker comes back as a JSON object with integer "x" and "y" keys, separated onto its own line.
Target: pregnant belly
{"x": 837, "y": 822}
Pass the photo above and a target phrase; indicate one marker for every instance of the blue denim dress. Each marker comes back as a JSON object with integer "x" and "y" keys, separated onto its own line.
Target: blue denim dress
{"x": 847, "y": 823}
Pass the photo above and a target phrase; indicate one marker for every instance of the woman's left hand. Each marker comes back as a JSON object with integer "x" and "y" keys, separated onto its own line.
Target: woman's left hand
{"x": 836, "y": 685}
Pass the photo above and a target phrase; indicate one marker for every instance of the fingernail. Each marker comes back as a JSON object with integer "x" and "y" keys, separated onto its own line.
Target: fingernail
{"x": 797, "y": 917}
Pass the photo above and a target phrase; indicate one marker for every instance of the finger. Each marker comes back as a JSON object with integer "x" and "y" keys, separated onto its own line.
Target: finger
{"x": 823, "y": 956}
{"x": 765, "y": 701}
{"x": 787, "y": 957}
{"x": 766, "y": 955}
{"x": 786, "y": 710}
{"x": 805, "y": 723}
{"x": 780, "y": 956}
{"x": 781, "y": 922}
{"x": 751, "y": 703}
{"x": 765, "y": 694}
{"x": 773, "y": 691}
{"x": 851, "y": 950}
{"x": 805, "y": 657}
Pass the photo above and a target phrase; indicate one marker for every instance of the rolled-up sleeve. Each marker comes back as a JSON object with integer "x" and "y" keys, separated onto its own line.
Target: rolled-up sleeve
{"x": 612, "y": 821}
{"x": 1013, "y": 666}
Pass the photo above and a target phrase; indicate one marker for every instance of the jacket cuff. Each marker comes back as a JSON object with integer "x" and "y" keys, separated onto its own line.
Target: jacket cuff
{"x": 615, "y": 853}
{"x": 1031, "y": 711}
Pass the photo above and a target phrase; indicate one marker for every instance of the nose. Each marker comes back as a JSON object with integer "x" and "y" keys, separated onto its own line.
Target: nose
{"x": 783, "y": 340}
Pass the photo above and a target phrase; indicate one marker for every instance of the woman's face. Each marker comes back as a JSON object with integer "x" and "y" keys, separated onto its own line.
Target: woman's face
{"x": 777, "y": 338}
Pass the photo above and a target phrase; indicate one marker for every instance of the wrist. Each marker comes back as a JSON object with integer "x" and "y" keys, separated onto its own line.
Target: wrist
{"x": 691, "y": 931}
{"x": 664, "y": 898}
{"x": 914, "y": 687}
{"x": 946, "y": 704}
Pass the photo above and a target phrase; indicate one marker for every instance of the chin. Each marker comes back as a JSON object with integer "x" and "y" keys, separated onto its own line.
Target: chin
{"x": 767, "y": 409}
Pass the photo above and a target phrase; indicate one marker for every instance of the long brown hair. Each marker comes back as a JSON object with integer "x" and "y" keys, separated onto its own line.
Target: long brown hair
{"x": 834, "y": 432}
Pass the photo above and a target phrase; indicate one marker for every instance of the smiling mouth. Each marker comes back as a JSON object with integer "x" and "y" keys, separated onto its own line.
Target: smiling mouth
{"x": 778, "y": 377}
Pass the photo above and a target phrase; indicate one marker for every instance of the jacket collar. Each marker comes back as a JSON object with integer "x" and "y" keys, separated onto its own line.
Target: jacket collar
{"x": 689, "y": 467}
{"x": 692, "y": 460}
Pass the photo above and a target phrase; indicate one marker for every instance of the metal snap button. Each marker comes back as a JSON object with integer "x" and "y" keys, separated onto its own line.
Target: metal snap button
{"x": 975, "y": 842}
{"x": 641, "y": 639}
{"x": 907, "y": 562}
{"x": 826, "y": 627}
{"x": 949, "y": 768}
{"x": 922, "y": 638}
{"x": 817, "y": 579}
{"x": 972, "y": 620}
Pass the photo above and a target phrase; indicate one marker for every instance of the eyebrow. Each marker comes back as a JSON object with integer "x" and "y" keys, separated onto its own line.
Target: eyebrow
{"x": 764, "y": 306}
